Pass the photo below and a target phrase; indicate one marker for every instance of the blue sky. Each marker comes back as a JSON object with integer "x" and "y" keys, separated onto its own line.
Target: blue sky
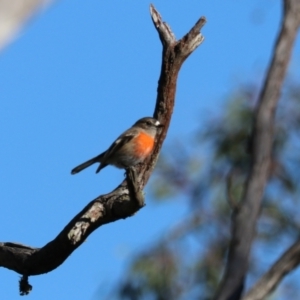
{"x": 78, "y": 75}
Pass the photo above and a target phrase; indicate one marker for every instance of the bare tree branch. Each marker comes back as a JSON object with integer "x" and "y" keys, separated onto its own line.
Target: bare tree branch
{"x": 283, "y": 266}
{"x": 127, "y": 198}
{"x": 244, "y": 218}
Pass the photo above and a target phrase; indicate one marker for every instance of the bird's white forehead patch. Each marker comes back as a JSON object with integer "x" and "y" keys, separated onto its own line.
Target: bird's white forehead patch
{"x": 157, "y": 123}
{"x": 117, "y": 141}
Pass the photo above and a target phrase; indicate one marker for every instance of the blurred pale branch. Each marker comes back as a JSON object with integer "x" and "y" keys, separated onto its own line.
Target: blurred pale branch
{"x": 14, "y": 14}
{"x": 269, "y": 281}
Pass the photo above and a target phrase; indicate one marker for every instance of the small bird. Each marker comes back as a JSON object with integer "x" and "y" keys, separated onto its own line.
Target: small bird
{"x": 131, "y": 148}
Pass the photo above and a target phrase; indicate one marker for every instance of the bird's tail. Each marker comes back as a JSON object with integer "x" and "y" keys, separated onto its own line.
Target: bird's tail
{"x": 87, "y": 164}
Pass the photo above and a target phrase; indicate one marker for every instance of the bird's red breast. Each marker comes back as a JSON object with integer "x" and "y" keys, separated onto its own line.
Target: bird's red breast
{"x": 143, "y": 144}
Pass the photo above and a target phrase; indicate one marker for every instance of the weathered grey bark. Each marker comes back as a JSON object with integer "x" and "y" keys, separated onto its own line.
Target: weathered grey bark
{"x": 244, "y": 217}
{"x": 127, "y": 198}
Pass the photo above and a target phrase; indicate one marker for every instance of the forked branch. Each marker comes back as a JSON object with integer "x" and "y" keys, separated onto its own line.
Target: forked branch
{"x": 127, "y": 198}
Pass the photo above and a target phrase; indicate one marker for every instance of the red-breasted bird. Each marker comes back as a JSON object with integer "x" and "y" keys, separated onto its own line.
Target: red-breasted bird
{"x": 131, "y": 148}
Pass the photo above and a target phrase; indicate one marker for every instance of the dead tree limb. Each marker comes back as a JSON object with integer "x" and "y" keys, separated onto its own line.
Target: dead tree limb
{"x": 245, "y": 217}
{"x": 127, "y": 198}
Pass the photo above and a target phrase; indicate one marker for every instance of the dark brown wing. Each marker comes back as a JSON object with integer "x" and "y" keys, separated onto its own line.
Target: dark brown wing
{"x": 119, "y": 143}
{"x": 108, "y": 156}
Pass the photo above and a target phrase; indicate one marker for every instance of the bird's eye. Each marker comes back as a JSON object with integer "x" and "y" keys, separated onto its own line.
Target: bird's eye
{"x": 148, "y": 123}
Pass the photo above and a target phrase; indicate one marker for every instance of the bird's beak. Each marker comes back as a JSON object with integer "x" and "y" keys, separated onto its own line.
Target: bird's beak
{"x": 158, "y": 124}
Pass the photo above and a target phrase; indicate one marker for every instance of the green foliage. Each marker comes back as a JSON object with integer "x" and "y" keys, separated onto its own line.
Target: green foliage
{"x": 153, "y": 274}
